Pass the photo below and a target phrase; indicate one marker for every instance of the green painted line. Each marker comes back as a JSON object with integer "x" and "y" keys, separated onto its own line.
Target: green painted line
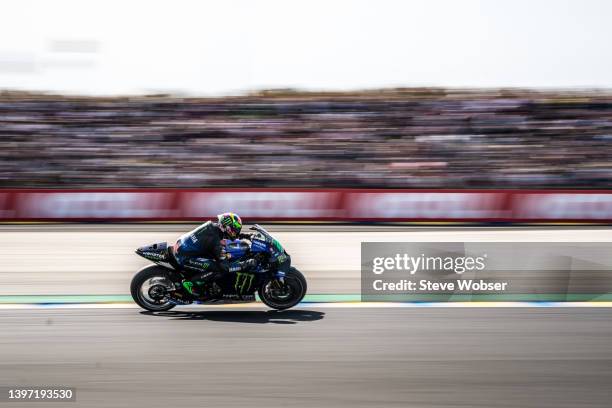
{"x": 325, "y": 298}
{"x": 42, "y": 299}
{"x": 61, "y": 299}
{"x": 330, "y": 298}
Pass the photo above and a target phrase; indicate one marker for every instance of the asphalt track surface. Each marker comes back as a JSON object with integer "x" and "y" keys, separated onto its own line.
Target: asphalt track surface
{"x": 313, "y": 357}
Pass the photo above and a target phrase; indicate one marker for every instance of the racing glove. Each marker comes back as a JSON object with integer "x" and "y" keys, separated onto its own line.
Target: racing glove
{"x": 248, "y": 264}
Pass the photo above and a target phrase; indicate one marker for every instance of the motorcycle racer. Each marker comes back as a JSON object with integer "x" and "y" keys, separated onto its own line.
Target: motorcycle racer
{"x": 200, "y": 251}
{"x": 263, "y": 267}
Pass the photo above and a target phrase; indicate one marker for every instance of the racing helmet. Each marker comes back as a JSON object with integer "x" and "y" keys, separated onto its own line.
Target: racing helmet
{"x": 230, "y": 224}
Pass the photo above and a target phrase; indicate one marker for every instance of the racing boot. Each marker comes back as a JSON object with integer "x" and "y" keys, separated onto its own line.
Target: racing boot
{"x": 202, "y": 271}
{"x": 200, "y": 284}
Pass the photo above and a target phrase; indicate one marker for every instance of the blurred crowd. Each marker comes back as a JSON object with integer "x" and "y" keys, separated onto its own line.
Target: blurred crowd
{"x": 396, "y": 138}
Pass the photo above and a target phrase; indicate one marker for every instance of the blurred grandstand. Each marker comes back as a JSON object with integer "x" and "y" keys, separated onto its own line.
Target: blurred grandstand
{"x": 396, "y": 138}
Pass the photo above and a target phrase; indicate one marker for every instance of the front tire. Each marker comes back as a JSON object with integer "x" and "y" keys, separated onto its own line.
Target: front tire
{"x": 149, "y": 286}
{"x": 284, "y": 296}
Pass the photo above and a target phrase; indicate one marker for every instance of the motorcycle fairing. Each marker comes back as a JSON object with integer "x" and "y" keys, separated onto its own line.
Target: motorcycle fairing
{"x": 157, "y": 252}
{"x": 258, "y": 245}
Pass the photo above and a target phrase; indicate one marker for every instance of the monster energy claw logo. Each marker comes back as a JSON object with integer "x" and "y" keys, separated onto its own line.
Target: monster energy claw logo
{"x": 243, "y": 282}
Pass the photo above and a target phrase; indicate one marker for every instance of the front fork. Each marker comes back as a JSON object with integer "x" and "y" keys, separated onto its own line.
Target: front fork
{"x": 280, "y": 279}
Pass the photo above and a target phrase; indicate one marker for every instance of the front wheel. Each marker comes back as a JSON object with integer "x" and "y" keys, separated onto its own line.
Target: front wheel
{"x": 150, "y": 287}
{"x": 283, "y": 295}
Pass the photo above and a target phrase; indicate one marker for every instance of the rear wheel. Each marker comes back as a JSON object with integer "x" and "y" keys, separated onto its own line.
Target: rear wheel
{"x": 283, "y": 295}
{"x": 150, "y": 287}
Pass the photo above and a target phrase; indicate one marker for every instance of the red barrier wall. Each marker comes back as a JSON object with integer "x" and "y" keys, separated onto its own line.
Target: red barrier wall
{"x": 308, "y": 205}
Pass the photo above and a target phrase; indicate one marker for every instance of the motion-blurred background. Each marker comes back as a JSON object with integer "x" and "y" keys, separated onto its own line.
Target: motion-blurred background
{"x": 391, "y": 138}
{"x": 429, "y": 94}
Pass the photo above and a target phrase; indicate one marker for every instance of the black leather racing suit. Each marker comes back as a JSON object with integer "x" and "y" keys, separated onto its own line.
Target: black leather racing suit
{"x": 199, "y": 252}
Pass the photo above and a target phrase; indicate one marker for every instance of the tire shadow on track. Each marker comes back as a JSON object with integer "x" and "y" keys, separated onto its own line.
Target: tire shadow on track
{"x": 247, "y": 316}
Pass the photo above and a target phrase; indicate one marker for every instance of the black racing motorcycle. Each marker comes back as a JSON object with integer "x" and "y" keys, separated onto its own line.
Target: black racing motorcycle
{"x": 159, "y": 287}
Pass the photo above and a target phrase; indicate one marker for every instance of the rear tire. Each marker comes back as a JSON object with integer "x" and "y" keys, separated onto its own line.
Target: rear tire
{"x": 295, "y": 286}
{"x": 145, "y": 300}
